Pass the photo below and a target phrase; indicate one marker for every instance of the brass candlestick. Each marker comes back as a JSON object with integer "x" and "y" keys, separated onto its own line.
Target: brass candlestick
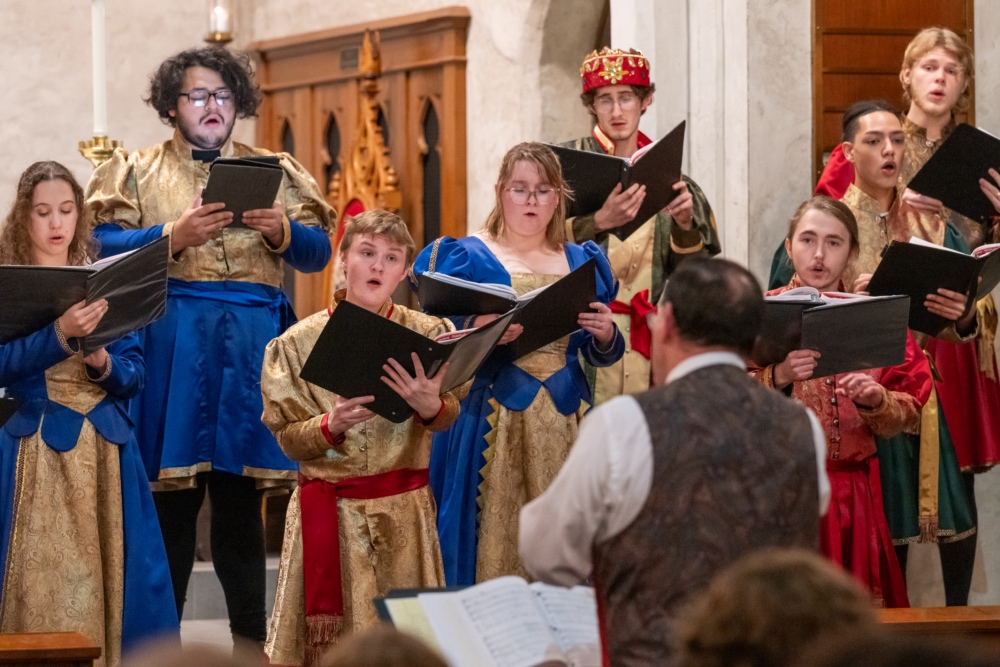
{"x": 220, "y": 38}
{"x": 99, "y": 149}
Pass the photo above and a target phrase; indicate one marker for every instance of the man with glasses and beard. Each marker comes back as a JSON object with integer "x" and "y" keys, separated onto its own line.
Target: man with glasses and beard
{"x": 617, "y": 90}
{"x": 198, "y": 419}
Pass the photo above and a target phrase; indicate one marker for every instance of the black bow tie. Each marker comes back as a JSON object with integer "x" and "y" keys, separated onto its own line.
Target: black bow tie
{"x": 205, "y": 156}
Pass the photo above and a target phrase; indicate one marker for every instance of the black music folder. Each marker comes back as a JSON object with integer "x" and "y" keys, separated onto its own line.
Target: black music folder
{"x": 952, "y": 174}
{"x": 134, "y": 283}
{"x": 243, "y": 184}
{"x": 592, "y": 177}
{"x": 547, "y": 314}
{"x": 917, "y": 268}
{"x": 355, "y": 343}
{"x": 851, "y": 334}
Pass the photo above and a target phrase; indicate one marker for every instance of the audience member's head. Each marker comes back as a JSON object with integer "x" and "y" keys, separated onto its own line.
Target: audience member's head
{"x": 707, "y": 304}
{"x": 884, "y": 648}
{"x": 381, "y": 647}
{"x": 766, "y": 608}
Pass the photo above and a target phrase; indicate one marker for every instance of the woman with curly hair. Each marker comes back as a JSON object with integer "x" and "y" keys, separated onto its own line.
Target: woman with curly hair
{"x": 78, "y": 534}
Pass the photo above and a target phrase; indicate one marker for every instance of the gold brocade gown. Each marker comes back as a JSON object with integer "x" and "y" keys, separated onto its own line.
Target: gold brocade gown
{"x": 385, "y": 543}
{"x": 81, "y": 521}
{"x": 525, "y": 451}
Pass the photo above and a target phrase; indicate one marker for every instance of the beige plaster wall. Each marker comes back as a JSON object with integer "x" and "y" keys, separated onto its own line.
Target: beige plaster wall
{"x": 46, "y": 98}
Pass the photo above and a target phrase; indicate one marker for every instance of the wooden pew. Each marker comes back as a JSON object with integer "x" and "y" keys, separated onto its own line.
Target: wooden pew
{"x": 62, "y": 649}
{"x": 980, "y": 623}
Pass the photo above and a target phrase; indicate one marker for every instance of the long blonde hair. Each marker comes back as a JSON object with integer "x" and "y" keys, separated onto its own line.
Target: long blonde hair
{"x": 550, "y": 170}
{"x": 15, "y": 240}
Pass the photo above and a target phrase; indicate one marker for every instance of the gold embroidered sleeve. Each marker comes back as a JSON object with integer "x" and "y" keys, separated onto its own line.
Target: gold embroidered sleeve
{"x": 302, "y": 198}
{"x": 449, "y": 413}
{"x": 898, "y": 412}
{"x": 112, "y": 194}
{"x": 764, "y": 375}
{"x": 290, "y": 410}
{"x": 581, "y": 228}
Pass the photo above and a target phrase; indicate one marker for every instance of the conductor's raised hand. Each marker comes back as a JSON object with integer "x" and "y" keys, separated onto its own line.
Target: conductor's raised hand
{"x": 862, "y": 389}
{"x": 620, "y": 207}
{"x": 347, "y": 412}
{"x": 420, "y": 392}
{"x": 81, "y": 320}
{"x": 797, "y": 366}
{"x": 269, "y": 222}
{"x": 599, "y": 323}
{"x": 681, "y": 209}
{"x": 197, "y": 224}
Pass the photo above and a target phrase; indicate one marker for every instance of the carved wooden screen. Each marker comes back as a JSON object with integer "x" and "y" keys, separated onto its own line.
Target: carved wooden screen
{"x": 310, "y": 79}
{"x": 858, "y": 50}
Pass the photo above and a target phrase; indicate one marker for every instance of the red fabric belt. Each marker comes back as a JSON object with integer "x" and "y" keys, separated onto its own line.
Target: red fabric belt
{"x": 637, "y": 309}
{"x": 321, "y": 529}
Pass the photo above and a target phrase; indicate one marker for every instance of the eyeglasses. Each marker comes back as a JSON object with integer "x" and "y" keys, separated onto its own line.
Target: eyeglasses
{"x": 627, "y": 102}
{"x": 199, "y": 98}
{"x": 543, "y": 196}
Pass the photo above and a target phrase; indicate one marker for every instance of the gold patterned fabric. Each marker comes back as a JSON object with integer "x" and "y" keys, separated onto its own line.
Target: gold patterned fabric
{"x": 525, "y": 451}
{"x": 385, "y": 543}
{"x": 632, "y": 262}
{"x": 65, "y": 565}
{"x": 156, "y": 185}
{"x": 919, "y": 150}
{"x": 877, "y": 228}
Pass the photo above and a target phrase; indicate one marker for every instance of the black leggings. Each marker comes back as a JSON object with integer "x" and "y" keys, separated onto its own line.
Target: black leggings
{"x": 957, "y": 558}
{"x": 237, "y": 537}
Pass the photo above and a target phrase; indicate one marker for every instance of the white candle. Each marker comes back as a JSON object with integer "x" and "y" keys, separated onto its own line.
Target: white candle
{"x": 100, "y": 67}
{"x": 220, "y": 20}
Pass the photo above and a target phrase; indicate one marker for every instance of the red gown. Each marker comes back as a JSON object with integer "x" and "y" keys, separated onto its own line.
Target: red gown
{"x": 854, "y": 532}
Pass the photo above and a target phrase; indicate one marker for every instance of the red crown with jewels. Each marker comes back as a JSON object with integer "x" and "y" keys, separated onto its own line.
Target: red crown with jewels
{"x": 614, "y": 67}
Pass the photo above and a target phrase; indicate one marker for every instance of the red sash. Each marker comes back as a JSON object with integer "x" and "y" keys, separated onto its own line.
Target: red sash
{"x": 639, "y": 337}
{"x": 321, "y": 568}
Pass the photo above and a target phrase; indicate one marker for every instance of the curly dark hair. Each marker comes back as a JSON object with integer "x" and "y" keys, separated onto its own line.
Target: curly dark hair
{"x": 15, "y": 240}
{"x": 235, "y": 69}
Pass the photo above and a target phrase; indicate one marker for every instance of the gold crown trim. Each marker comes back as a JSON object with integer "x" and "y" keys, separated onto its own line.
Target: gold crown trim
{"x": 613, "y": 61}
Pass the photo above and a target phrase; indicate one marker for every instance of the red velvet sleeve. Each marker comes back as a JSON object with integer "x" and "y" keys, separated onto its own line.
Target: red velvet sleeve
{"x": 913, "y": 376}
{"x": 837, "y": 175}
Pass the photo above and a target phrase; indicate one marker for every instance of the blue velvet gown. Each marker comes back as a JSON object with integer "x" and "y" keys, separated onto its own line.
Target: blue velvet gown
{"x": 81, "y": 544}
{"x": 516, "y": 425}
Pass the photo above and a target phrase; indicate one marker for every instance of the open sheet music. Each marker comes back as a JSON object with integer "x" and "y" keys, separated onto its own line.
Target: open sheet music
{"x": 506, "y": 622}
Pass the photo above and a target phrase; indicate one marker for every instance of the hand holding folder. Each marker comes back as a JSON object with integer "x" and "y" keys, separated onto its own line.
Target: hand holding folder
{"x": 243, "y": 184}
{"x": 134, "y": 284}
{"x": 852, "y": 333}
{"x": 350, "y": 364}
{"x": 952, "y": 174}
{"x": 918, "y": 268}
{"x": 547, "y": 314}
{"x": 593, "y": 176}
